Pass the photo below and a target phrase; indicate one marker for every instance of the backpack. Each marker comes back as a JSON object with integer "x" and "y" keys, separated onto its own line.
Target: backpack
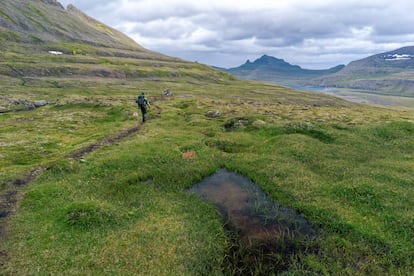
{"x": 141, "y": 100}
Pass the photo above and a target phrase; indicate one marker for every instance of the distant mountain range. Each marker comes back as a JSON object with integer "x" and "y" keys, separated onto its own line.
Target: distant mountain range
{"x": 271, "y": 69}
{"x": 31, "y": 32}
{"x": 390, "y": 73}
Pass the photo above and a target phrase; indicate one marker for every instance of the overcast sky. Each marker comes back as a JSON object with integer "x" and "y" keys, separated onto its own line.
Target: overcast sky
{"x": 314, "y": 34}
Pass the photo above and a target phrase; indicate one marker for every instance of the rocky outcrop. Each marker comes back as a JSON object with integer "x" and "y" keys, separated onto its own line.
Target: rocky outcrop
{"x": 53, "y": 3}
{"x": 72, "y": 8}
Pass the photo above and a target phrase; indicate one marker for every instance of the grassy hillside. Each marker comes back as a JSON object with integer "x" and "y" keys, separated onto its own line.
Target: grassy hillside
{"x": 122, "y": 208}
{"x": 40, "y": 21}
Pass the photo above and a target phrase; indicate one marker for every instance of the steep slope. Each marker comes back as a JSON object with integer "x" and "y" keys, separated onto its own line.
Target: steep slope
{"x": 389, "y": 73}
{"x": 38, "y": 21}
{"x": 41, "y": 42}
{"x": 271, "y": 69}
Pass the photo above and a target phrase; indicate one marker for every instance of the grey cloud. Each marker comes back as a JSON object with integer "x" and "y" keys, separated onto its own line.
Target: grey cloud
{"x": 148, "y": 11}
{"x": 93, "y": 6}
{"x": 171, "y": 29}
{"x": 326, "y": 31}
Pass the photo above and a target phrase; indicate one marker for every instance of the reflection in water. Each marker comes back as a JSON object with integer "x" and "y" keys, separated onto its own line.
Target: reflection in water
{"x": 247, "y": 209}
{"x": 361, "y": 96}
{"x": 265, "y": 238}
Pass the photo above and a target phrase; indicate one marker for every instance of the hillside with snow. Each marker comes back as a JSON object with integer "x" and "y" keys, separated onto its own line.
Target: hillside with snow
{"x": 390, "y": 73}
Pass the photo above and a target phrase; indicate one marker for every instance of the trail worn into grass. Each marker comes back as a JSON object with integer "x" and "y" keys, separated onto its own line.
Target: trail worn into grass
{"x": 107, "y": 141}
{"x": 9, "y": 198}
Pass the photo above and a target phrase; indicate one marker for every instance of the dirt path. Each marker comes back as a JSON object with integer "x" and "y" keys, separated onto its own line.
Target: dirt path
{"x": 9, "y": 198}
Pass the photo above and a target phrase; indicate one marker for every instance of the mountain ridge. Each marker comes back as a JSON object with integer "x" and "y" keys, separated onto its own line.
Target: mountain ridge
{"x": 53, "y": 3}
{"x": 390, "y": 73}
{"x": 34, "y": 32}
{"x": 276, "y": 70}
{"x": 39, "y": 21}
{"x": 273, "y": 62}
{"x": 386, "y": 73}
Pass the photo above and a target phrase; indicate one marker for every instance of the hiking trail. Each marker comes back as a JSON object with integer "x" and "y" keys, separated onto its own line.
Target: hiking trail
{"x": 11, "y": 196}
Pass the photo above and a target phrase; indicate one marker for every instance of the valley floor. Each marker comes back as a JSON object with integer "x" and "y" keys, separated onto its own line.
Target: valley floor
{"x": 124, "y": 209}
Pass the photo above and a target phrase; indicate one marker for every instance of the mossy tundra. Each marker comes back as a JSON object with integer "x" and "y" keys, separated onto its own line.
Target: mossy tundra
{"x": 80, "y": 198}
{"x": 123, "y": 208}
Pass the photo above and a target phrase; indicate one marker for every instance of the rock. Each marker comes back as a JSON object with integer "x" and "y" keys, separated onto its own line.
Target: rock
{"x": 55, "y": 52}
{"x": 28, "y": 104}
{"x": 258, "y": 123}
{"x": 40, "y": 103}
{"x": 213, "y": 114}
{"x": 167, "y": 92}
{"x": 53, "y": 3}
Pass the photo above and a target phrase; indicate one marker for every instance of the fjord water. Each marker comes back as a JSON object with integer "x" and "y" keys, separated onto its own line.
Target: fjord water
{"x": 360, "y": 96}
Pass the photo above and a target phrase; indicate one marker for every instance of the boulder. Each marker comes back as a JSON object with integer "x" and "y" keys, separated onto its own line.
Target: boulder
{"x": 167, "y": 92}
{"x": 259, "y": 123}
{"x": 26, "y": 103}
{"x": 213, "y": 114}
{"x": 40, "y": 103}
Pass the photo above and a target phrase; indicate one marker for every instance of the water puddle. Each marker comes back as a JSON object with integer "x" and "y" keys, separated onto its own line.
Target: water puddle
{"x": 264, "y": 233}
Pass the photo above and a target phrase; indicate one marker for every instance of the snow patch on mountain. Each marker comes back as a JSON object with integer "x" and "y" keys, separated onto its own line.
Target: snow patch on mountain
{"x": 396, "y": 57}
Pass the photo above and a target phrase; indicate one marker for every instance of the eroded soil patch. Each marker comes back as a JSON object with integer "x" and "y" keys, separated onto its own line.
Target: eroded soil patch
{"x": 264, "y": 234}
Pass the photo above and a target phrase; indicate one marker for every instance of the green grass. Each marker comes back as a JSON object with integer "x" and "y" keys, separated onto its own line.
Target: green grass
{"x": 5, "y": 16}
{"x": 123, "y": 209}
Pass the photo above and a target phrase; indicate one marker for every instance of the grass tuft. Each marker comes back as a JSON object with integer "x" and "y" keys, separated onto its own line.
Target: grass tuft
{"x": 89, "y": 214}
{"x": 310, "y": 130}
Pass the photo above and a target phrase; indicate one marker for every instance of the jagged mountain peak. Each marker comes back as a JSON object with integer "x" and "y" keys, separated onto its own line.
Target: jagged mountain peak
{"x": 277, "y": 70}
{"x": 266, "y": 60}
{"x": 269, "y": 59}
{"x": 269, "y": 62}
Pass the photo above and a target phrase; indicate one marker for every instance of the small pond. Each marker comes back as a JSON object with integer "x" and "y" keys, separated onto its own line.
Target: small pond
{"x": 262, "y": 231}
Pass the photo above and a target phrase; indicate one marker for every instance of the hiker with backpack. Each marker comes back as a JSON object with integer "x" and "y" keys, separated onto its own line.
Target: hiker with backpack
{"x": 142, "y": 104}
